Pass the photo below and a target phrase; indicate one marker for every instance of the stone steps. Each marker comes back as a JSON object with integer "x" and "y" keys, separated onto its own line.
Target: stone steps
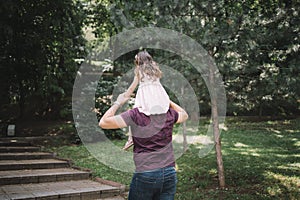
{"x": 32, "y": 164}
{"x": 14, "y": 143}
{"x": 25, "y": 156}
{"x": 27, "y": 173}
{"x": 21, "y": 140}
{"x": 82, "y": 189}
{"x": 41, "y": 175}
{"x": 18, "y": 149}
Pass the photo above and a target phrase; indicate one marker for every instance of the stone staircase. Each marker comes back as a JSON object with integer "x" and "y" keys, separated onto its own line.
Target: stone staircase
{"x": 27, "y": 173}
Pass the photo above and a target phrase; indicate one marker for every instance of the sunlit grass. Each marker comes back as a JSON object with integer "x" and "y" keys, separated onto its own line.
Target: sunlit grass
{"x": 261, "y": 161}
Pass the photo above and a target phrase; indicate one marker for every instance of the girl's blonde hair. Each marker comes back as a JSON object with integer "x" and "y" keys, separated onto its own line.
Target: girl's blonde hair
{"x": 146, "y": 65}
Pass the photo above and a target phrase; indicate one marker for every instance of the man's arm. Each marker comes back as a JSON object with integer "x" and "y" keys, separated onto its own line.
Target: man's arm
{"x": 182, "y": 115}
{"x": 111, "y": 121}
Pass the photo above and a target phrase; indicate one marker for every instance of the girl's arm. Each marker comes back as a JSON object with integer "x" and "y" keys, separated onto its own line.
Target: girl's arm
{"x": 132, "y": 87}
{"x": 182, "y": 115}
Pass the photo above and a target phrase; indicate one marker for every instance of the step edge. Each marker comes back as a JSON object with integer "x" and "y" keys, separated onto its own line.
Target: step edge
{"x": 103, "y": 192}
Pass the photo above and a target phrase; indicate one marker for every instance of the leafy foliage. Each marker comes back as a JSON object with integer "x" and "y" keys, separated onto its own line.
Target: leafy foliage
{"x": 255, "y": 45}
{"x": 39, "y": 45}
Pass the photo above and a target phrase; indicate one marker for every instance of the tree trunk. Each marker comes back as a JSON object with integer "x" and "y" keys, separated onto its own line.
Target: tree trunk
{"x": 216, "y": 130}
{"x": 185, "y": 144}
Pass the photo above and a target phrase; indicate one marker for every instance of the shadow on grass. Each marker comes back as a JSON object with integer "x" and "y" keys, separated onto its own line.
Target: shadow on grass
{"x": 261, "y": 161}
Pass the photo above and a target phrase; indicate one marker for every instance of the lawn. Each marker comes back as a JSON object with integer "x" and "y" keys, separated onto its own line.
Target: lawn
{"x": 261, "y": 161}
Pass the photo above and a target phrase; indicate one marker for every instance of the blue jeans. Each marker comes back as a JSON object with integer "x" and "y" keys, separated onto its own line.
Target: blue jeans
{"x": 159, "y": 184}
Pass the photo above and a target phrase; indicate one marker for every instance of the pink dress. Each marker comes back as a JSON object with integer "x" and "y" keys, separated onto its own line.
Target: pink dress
{"x": 151, "y": 97}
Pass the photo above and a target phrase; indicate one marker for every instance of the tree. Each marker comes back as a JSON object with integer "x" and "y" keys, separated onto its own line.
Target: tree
{"x": 39, "y": 45}
{"x": 268, "y": 62}
{"x": 254, "y": 44}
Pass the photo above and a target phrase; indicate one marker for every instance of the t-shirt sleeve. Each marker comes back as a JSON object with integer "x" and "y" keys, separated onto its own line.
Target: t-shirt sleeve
{"x": 127, "y": 117}
{"x": 174, "y": 114}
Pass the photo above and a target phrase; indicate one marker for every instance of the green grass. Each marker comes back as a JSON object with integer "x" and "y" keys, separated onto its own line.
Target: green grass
{"x": 261, "y": 161}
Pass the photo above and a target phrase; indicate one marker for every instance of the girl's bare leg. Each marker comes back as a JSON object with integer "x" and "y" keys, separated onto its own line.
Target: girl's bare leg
{"x": 129, "y": 142}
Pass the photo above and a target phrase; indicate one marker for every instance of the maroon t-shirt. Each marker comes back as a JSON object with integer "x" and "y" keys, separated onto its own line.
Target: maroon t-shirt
{"x": 152, "y": 138}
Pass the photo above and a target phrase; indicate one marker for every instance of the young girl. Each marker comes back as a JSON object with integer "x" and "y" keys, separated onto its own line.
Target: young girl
{"x": 151, "y": 97}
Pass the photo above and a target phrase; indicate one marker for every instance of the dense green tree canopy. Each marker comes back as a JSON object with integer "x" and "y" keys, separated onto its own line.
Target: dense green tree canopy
{"x": 255, "y": 45}
{"x": 40, "y": 41}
